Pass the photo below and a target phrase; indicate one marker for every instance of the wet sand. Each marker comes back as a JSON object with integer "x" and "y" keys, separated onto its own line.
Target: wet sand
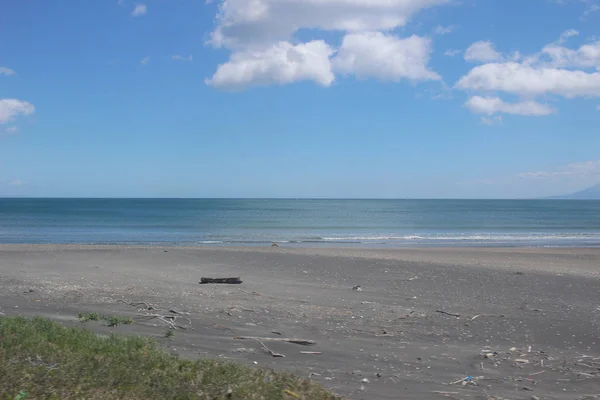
{"x": 527, "y": 325}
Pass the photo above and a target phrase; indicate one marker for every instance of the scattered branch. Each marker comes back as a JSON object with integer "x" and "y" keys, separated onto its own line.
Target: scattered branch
{"x": 447, "y": 313}
{"x": 301, "y": 342}
{"x": 271, "y": 352}
{"x": 147, "y": 306}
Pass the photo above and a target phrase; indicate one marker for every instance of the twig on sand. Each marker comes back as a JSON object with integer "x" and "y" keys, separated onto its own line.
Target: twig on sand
{"x": 447, "y": 313}
{"x": 170, "y": 320}
{"x": 444, "y": 393}
{"x": 301, "y": 342}
{"x": 147, "y": 306}
{"x": 271, "y": 352}
{"x": 233, "y": 281}
{"x": 315, "y": 353}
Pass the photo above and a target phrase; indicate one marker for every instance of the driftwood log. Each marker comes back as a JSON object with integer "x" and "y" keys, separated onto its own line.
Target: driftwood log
{"x": 233, "y": 281}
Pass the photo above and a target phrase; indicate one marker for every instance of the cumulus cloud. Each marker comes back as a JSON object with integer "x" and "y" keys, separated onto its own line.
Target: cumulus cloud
{"x": 12, "y": 108}
{"x": 145, "y": 61}
{"x": 385, "y": 57}
{"x": 244, "y": 22}
{"x": 495, "y": 105}
{"x": 482, "y": 51}
{"x": 555, "y": 70}
{"x": 576, "y": 170}
{"x": 6, "y": 71}
{"x": 139, "y": 10}
{"x": 260, "y": 32}
{"x": 526, "y": 80}
{"x": 279, "y": 64}
{"x": 586, "y": 56}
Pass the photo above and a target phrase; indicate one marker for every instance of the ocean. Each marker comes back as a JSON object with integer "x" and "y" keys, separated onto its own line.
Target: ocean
{"x": 371, "y": 223}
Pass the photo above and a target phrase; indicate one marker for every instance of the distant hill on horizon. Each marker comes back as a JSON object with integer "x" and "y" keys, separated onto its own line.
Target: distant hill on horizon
{"x": 591, "y": 193}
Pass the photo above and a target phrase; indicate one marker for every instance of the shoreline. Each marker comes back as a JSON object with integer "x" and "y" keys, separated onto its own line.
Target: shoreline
{"x": 511, "y": 258}
{"x": 543, "y": 303}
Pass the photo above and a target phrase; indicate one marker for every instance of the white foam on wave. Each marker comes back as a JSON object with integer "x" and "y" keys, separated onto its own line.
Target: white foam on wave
{"x": 490, "y": 237}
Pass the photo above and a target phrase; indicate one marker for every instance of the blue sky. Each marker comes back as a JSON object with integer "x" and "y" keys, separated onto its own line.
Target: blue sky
{"x": 299, "y": 98}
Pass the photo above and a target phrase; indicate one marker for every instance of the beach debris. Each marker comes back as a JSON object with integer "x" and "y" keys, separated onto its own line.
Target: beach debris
{"x": 445, "y": 393}
{"x": 357, "y": 288}
{"x": 28, "y": 291}
{"x": 147, "y": 306}
{"x": 286, "y": 391}
{"x": 301, "y": 342}
{"x": 316, "y": 353}
{"x": 447, "y": 313}
{"x": 467, "y": 380}
{"x": 274, "y": 245}
{"x": 271, "y": 352}
{"x": 169, "y": 319}
{"x": 232, "y": 281}
{"x": 366, "y": 380}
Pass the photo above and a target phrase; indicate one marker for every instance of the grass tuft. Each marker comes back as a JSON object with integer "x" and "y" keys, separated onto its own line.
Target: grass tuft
{"x": 41, "y": 359}
{"x": 112, "y": 320}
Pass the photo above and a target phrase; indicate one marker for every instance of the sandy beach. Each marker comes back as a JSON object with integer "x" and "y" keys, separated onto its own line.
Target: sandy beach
{"x": 517, "y": 323}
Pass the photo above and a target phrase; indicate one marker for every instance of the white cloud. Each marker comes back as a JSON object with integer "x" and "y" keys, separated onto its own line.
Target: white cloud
{"x": 259, "y": 32}
{"x": 11, "y": 130}
{"x": 526, "y": 80}
{"x": 592, "y": 8}
{"x": 482, "y": 51}
{"x": 586, "y": 56}
{"x": 566, "y": 35}
{"x": 491, "y": 120}
{"x": 444, "y": 30}
{"x": 244, "y": 22}
{"x": 576, "y": 170}
{"x": 145, "y": 61}
{"x": 280, "y": 64}
{"x": 495, "y": 105}
{"x": 598, "y": 108}
{"x": 11, "y": 108}
{"x": 17, "y": 183}
{"x": 178, "y": 57}
{"x": 6, "y": 71}
{"x": 452, "y": 52}
{"x": 386, "y": 57}
{"x": 139, "y": 10}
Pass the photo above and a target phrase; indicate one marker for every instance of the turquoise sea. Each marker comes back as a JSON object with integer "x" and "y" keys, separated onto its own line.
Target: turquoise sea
{"x": 394, "y": 223}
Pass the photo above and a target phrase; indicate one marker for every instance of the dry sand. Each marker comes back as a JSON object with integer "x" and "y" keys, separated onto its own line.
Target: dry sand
{"x": 386, "y": 341}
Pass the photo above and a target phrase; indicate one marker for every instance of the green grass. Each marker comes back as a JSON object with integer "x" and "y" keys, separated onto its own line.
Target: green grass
{"x": 169, "y": 333}
{"x": 111, "y": 319}
{"x": 43, "y": 360}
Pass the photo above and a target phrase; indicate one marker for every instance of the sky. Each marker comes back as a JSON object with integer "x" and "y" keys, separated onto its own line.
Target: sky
{"x": 299, "y": 98}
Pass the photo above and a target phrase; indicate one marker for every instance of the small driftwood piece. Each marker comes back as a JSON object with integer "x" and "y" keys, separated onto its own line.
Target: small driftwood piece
{"x": 232, "y": 281}
{"x": 301, "y": 342}
{"x": 271, "y": 352}
{"x": 447, "y": 313}
{"x": 147, "y": 306}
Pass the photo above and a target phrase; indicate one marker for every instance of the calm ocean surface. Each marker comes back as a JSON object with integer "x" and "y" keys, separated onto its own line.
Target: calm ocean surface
{"x": 302, "y": 222}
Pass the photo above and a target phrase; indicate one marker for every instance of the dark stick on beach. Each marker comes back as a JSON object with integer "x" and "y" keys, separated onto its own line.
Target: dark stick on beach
{"x": 233, "y": 281}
